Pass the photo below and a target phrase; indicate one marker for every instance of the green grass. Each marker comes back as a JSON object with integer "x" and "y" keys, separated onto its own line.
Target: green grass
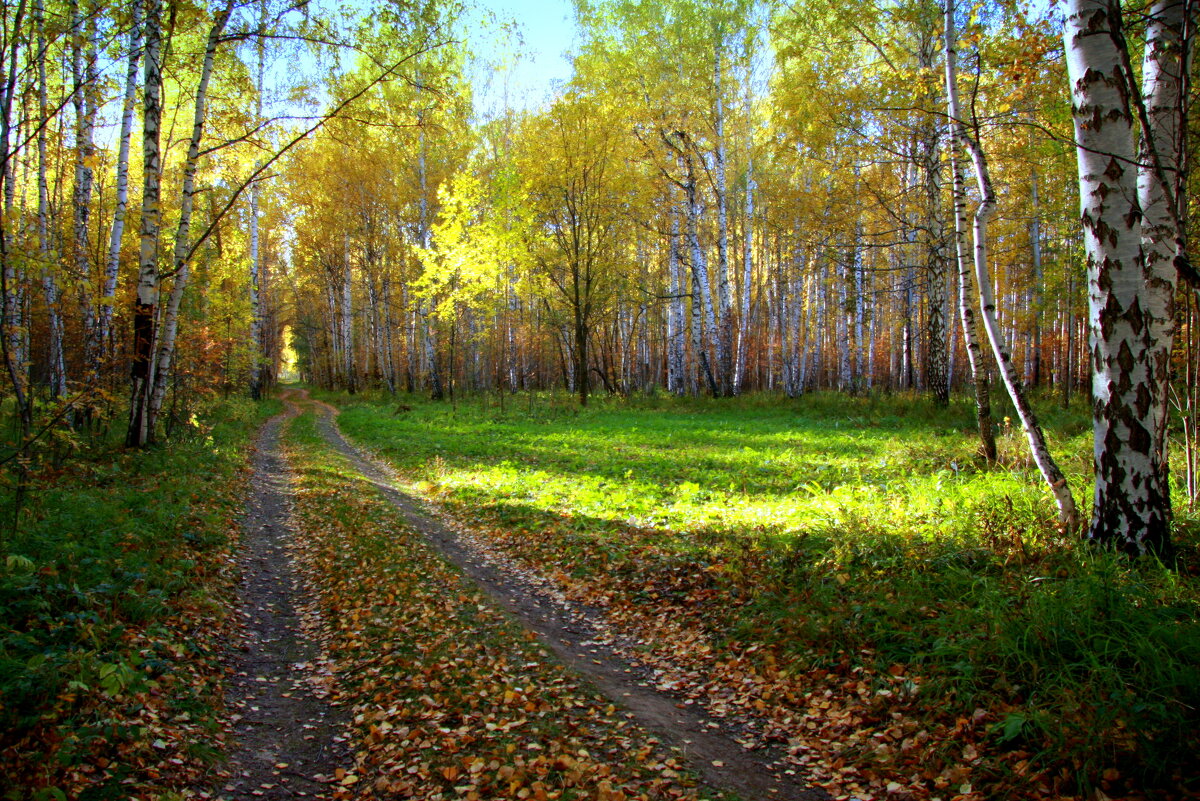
{"x": 848, "y": 526}
{"x": 108, "y": 605}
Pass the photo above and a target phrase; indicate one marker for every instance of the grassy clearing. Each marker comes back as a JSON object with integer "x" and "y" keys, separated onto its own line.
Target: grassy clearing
{"x": 848, "y": 535}
{"x": 114, "y": 593}
{"x": 450, "y": 698}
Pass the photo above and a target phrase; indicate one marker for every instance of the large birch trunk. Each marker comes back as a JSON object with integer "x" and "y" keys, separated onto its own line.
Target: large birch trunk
{"x": 1131, "y": 508}
{"x": 1161, "y": 197}
{"x": 937, "y": 358}
{"x": 146, "y": 303}
{"x": 181, "y": 263}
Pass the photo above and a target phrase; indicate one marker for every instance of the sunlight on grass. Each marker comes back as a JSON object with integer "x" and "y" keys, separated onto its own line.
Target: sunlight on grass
{"x": 737, "y": 468}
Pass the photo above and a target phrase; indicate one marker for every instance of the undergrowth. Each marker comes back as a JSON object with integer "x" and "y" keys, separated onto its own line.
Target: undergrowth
{"x": 112, "y": 602}
{"x": 844, "y": 532}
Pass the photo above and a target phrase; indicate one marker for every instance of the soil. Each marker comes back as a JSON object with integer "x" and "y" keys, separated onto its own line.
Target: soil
{"x": 287, "y": 736}
{"x": 577, "y": 635}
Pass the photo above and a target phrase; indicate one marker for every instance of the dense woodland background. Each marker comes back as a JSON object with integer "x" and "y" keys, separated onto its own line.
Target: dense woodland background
{"x": 905, "y": 233}
{"x": 725, "y": 198}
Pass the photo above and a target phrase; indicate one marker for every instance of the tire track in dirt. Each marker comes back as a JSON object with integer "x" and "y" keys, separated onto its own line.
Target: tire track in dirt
{"x": 571, "y": 632}
{"x": 287, "y": 737}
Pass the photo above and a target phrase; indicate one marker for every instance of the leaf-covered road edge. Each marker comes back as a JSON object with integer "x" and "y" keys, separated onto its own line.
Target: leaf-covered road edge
{"x": 449, "y": 697}
{"x": 148, "y": 723}
{"x": 285, "y": 738}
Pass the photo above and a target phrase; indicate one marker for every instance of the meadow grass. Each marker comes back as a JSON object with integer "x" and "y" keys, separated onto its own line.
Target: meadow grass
{"x": 862, "y": 526}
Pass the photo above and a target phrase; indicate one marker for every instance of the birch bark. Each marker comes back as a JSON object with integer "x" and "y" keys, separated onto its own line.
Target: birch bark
{"x": 83, "y": 98}
{"x": 50, "y": 288}
{"x": 181, "y": 263}
{"x": 146, "y": 303}
{"x": 1127, "y": 283}
{"x": 1160, "y": 196}
{"x": 1068, "y": 516}
{"x": 966, "y": 287}
{"x": 724, "y": 336}
{"x": 113, "y": 262}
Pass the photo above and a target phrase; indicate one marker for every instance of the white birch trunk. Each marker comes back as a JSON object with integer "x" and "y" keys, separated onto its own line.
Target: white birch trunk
{"x": 83, "y": 99}
{"x": 1161, "y": 197}
{"x": 50, "y": 288}
{"x": 966, "y": 286}
{"x": 676, "y": 323}
{"x": 113, "y": 262}
{"x": 743, "y": 346}
{"x": 1068, "y": 517}
{"x": 724, "y": 297}
{"x": 700, "y": 284}
{"x": 1131, "y": 507}
{"x": 170, "y": 324}
{"x": 146, "y": 303}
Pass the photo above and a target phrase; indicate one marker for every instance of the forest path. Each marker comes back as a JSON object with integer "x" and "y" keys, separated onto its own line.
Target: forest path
{"x": 286, "y": 735}
{"x": 573, "y": 633}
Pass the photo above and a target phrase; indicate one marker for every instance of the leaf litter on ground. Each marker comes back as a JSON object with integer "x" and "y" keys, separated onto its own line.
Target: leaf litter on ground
{"x": 449, "y": 697}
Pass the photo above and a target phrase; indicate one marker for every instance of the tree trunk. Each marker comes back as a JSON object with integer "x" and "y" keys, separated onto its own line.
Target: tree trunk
{"x": 700, "y": 284}
{"x": 724, "y": 298}
{"x": 937, "y": 364}
{"x": 50, "y": 288}
{"x": 181, "y": 264}
{"x": 1161, "y": 197}
{"x": 256, "y": 315}
{"x": 113, "y": 262}
{"x": 1068, "y": 517}
{"x": 739, "y": 378}
{"x": 966, "y": 300}
{"x": 146, "y": 304}
{"x": 83, "y": 98}
{"x": 1132, "y": 508}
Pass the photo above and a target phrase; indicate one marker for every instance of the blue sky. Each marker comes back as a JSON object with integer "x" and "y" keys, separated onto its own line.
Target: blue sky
{"x": 525, "y": 41}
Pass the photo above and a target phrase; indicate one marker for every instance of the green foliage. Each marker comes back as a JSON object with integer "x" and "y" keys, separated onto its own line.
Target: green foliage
{"x": 113, "y": 557}
{"x": 846, "y": 526}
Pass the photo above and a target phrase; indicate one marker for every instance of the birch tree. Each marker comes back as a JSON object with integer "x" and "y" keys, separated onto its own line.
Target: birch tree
{"x": 1068, "y": 515}
{"x": 1128, "y": 185}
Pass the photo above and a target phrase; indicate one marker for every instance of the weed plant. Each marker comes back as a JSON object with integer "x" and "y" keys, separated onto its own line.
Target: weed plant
{"x": 850, "y": 527}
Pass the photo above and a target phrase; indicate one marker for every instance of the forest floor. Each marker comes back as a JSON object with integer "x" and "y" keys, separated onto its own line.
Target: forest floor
{"x": 837, "y": 584}
{"x": 555, "y": 710}
{"x": 651, "y": 598}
